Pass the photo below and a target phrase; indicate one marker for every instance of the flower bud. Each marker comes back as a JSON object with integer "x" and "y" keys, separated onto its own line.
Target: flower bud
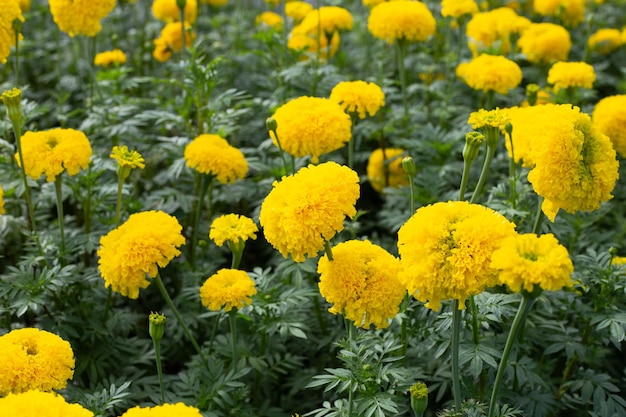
{"x": 271, "y": 124}
{"x": 156, "y": 327}
{"x": 532, "y": 90}
{"x": 419, "y": 398}
{"x": 408, "y": 165}
{"x": 12, "y": 99}
{"x": 473, "y": 142}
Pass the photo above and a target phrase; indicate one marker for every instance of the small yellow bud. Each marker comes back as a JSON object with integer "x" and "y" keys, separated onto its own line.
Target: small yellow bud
{"x": 156, "y": 327}
{"x": 12, "y": 99}
{"x": 532, "y": 90}
{"x": 473, "y": 142}
{"x": 419, "y": 398}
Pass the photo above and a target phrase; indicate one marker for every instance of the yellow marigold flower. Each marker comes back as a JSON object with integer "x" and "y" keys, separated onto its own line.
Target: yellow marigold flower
{"x": 108, "y": 58}
{"x": 361, "y": 282}
{"x": 446, "y": 249}
{"x": 571, "y": 12}
{"x": 146, "y": 241}
{"x": 2, "y": 210}
{"x": 168, "y": 11}
{"x": 571, "y": 74}
{"x": 490, "y": 73}
{"x": 302, "y": 40}
{"x": 270, "y": 19}
{"x": 384, "y": 169}
{"x": 458, "y": 8}
{"x": 170, "y": 41}
{"x": 491, "y": 31}
{"x": 39, "y": 404}
{"x": 526, "y": 261}
{"x": 9, "y": 11}
{"x": 619, "y": 260}
{"x": 311, "y": 126}
{"x": 227, "y": 289}
{"x": 308, "y": 208}
{"x": 543, "y": 43}
{"x": 211, "y": 154}
{"x": 80, "y": 17}
{"x": 401, "y": 20}
{"x": 233, "y": 228}
{"x": 164, "y": 410}
{"x": 329, "y": 18}
{"x": 605, "y": 41}
{"x": 33, "y": 359}
{"x": 53, "y": 151}
{"x": 126, "y": 158}
{"x": 609, "y": 116}
{"x": 215, "y": 3}
{"x": 297, "y": 10}
{"x": 489, "y": 118}
{"x": 358, "y": 97}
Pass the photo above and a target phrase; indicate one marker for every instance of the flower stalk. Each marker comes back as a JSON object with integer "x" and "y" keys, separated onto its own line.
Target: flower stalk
{"x": 156, "y": 329}
{"x": 455, "y": 343}
{"x": 206, "y": 182}
{"x": 58, "y": 188}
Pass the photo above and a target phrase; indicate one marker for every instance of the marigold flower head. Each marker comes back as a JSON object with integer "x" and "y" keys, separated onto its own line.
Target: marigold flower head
{"x": 609, "y": 116}
{"x": 9, "y": 12}
{"x": 543, "y": 43}
{"x": 384, "y": 169}
{"x": 458, "y": 8}
{"x": 401, "y": 20}
{"x": 297, "y": 10}
{"x": 300, "y": 39}
{"x": 361, "y": 282}
{"x": 526, "y": 261}
{"x": 329, "y": 19}
{"x": 311, "y": 126}
{"x": 571, "y": 12}
{"x": 80, "y": 17}
{"x": 168, "y": 11}
{"x": 571, "y": 74}
{"x": 146, "y": 241}
{"x": 232, "y": 228}
{"x": 270, "y": 19}
{"x": 490, "y": 73}
{"x": 605, "y": 40}
{"x": 491, "y": 31}
{"x": 308, "y": 208}
{"x": 34, "y": 359}
{"x": 108, "y": 58}
{"x": 53, "y": 151}
{"x": 127, "y": 158}
{"x": 170, "y": 40}
{"x": 497, "y": 118}
{"x": 213, "y": 155}
{"x": 164, "y": 410}
{"x": 40, "y": 403}
{"x": 446, "y": 250}
{"x": 227, "y": 289}
{"x": 358, "y": 97}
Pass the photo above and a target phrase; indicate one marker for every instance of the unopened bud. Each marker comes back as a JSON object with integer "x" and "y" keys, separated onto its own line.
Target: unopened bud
{"x": 419, "y": 398}
{"x": 156, "y": 327}
{"x": 408, "y": 165}
{"x": 473, "y": 142}
{"x": 12, "y": 99}
{"x": 271, "y": 124}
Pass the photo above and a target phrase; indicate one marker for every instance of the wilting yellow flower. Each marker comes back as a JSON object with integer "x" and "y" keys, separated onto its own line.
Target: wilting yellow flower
{"x": 358, "y": 97}
{"x": 384, "y": 169}
{"x": 489, "y": 118}
{"x": 170, "y": 40}
{"x": 308, "y": 208}
{"x": 297, "y": 10}
{"x": 446, "y": 249}
{"x": 146, "y": 241}
{"x": 311, "y": 126}
{"x": 213, "y": 155}
{"x": 126, "y": 158}
{"x": 330, "y": 19}
{"x": 53, "y": 151}
{"x": 107, "y": 58}
{"x": 401, "y": 20}
{"x": 168, "y": 11}
{"x": 80, "y": 17}
{"x": 302, "y": 40}
{"x": 39, "y": 404}
{"x": 361, "y": 282}
{"x": 458, "y": 8}
{"x": 571, "y": 74}
{"x": 609, "y": 116}
{"x": 491, "y": 31}
{"x": 526, "y": 261}
{"x": 2, "y": 211}
{"x": 34, "y": 359}
{"x": 543, "y": 43}
{"x": 605, "y": 41}
{"x": 233, "y": 228}
{"x": 227, "y": 289}
{"x": 571, "y": 12}
{"x": 9, "y": 12}
{"x": 164, "y": 410}
{"x": 215, "y": 3}
{"x": 270, "y": 19}
{"x": 490, "y": 73}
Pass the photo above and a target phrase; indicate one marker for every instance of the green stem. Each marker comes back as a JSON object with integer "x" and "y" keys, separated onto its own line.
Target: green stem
{"x": 282, "y": 154}
{"x": 350, "y": 334}
{"x": 328, "y": 250}
{"x": 491, "y": 150}
{"x": 118, "y": 206}
{"x": 157, "y": 354}
{"x": 455, "y": 339}
{"x": 353, "y": 116}
{"x": 218, "y": 318}
{"x": 58, "y": 187}
{"x": 237, "y": 250}
{"x": 205, "y": 181}
{"x": 474, "y": 309}
{"x": 400, "y": 52}
{"x": 512, "y": 173}
{"x": 467, "y": 164}
{"x": 232, "y": 321}
{"x": 538, "y": 216}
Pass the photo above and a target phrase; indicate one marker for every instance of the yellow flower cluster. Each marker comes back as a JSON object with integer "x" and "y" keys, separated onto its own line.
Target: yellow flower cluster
{"x": 9, "y": 11}
{"x": 384, "y": 169}
{"x": 526, "y": 261}
{"x": 543, "y": 43}
{"x": 308, "y": 208}
{"x": 491, "y": 31}
{"x": 51, "y": 152}
{"x": 227, "y": 289}
{"x": 446, "y": 249}
{"x": 168, "y": 11}
{"x": 108, "y": 58}
{"x": 127, "y": 158}
{"x": 311, "y": 126}
{"x": 297, "y": 10}
{"x": 458, "y": 8}
{"x": 127, "y": 254}
{"x": 609, "y": 116}
{"x": 358, "y": 97}
{"x": 571, "y": 12}
{"x": 34, "y": 359}
{"x": 606, "y": 40}
{"x": 232, "y": 228}
{"x": 490, "y": 73}
{"x": 401, "y": 20}
{"x": 329, "y": 19}
{"x": 213, "y": 155}
{"x": 80, "y": 17}
{"x": 164, "y": 410}
{"x": 497, "y": 118}
{"x": 310, "y": 43}
{"x": 361, "y": 282}
{"x": 270, "y": 19}
{"x": 40, "y": 404}
{"x": 171, "y": 40}
{"x": 563, "y": 75}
